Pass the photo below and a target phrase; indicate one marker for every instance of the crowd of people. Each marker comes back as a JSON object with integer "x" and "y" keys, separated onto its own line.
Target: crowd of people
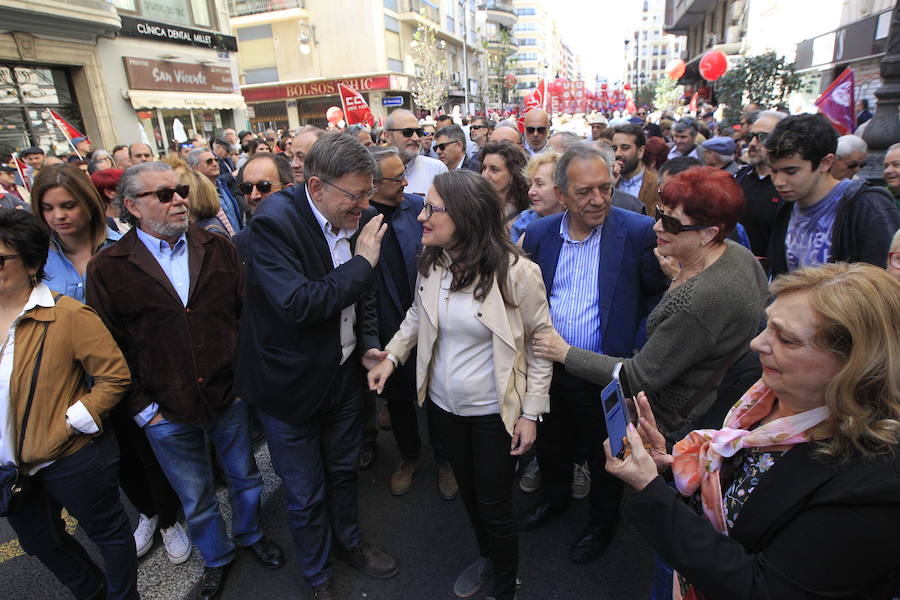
{"x": 162, "y": 313}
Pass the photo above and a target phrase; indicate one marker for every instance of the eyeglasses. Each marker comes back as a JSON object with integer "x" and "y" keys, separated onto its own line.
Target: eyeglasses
{"x": 368, "y": 194}
{"x": 246, "y": 187}
{"x": 440, "y": 147}
{"x": 409, "y": 131}
{"x": 394, "y": 179}
{"x": 6, "y": 257}
{"x": 430, "y": 209}
{"x": 477, "y": 127}
{"x": 209, "y": 161}
{"x": 165, "y": 194}
{"x": 857, "y": 165}
{"x": 533, "y": 130}
{"x": 762, "y": 135}
{"x": 673, "y": 225}
{"x": 893, "y": 259}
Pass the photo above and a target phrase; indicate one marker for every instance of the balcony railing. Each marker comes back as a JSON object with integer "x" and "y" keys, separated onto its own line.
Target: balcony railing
{"x": 240, "y": 8}
{"x": 505, "y": 6}
{"x": 423, "y": 7}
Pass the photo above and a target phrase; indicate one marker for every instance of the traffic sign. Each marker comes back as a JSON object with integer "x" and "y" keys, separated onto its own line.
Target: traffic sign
{"x": 392, "y": 101}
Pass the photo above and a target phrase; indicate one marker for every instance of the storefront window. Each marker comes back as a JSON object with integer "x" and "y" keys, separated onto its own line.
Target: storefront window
{"x": 269, "y": 115}
{"x": 178, "y": 12}
{"x": 27, "y": 94}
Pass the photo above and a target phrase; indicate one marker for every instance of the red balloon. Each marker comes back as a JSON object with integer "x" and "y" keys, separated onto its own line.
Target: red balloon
{"x": 334, "y": 114}
{"x": 627, "y": 86}
{"x": 675, "y": 69}
{"x": 713, "y": 65}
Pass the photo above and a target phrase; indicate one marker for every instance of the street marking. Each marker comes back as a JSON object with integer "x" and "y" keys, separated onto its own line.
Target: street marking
{"x": 11, "y": 549}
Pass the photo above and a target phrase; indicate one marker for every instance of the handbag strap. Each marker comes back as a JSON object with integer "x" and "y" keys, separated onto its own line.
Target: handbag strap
{"x": 34, "y": 376}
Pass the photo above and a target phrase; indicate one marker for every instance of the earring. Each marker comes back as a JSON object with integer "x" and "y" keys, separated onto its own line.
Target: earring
{"x": 34, "y": 279}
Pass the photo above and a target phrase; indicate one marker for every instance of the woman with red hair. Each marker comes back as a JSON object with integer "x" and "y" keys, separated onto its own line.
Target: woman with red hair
{"x": 706, "y": 319}
{"x": 106, "y": 182}
{"x": 656, "y": 152}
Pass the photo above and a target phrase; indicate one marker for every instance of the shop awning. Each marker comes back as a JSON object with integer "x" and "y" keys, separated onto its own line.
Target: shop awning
{"x": 153, "y": 99}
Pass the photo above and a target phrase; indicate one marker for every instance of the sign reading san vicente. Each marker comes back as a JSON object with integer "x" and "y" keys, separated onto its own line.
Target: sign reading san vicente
{"x": 148, "y": 74}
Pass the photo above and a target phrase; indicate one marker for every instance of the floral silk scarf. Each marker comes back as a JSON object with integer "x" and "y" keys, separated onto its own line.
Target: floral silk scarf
{"x": 698, "y": 457}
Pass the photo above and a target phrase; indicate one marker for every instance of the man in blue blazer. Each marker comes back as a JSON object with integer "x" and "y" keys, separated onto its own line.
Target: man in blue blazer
{"x": 307, "y": 329}
{"x": 602, "y": 280}
{"x": 395, "y": 279}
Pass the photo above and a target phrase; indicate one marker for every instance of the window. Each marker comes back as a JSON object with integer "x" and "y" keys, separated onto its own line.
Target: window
{"x": 525, "y": 12}
{"x": 265, "y": 75}
{"x": 392, "y": 45}
{"x": 451, "y": 24}
{"x": 391, "y": 5}
{"x": 257, "y": 32}
{"x": 528, "y": 42}
{"x": 526, "y": 26}
{"x": 395, "y": 65}
{"x": 391, "y": 24}
{"x": 177, "y": 12}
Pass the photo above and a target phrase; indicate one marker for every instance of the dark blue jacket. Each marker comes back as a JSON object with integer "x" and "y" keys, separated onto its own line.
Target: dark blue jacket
{"x": 289, "y": 349}
{"x": 408, "y": 231}
{"x": 630, "y": 279}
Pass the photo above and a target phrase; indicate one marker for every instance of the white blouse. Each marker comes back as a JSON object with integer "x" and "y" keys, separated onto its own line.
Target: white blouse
{"x": 462, "y": 369}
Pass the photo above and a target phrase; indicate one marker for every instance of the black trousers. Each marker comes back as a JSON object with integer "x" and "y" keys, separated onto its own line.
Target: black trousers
{"x": 478, "y": 448}
{"x": 141, "y": 477}
{"x": 576, "y": 422}
{"x": 400, "y": 394}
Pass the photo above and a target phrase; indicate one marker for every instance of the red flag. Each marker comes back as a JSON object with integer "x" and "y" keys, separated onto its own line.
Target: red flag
{"x": 355, "y": 108}
{"x": 66, "y": 127}
{"x": 837, "y": 103}
{"x": 693, "y": 105}
{"x": 540, "y": 94}
{"x": 22, "y": 168}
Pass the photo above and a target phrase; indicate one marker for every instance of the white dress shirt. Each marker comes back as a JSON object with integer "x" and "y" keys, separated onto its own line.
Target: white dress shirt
{"x": 420, "y": 172}
{"x": 339, "y": 247}
{"x": 462, "y": 371}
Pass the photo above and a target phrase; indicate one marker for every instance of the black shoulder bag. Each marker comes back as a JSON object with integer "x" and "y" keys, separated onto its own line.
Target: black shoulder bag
{"x": 13, "y": 480}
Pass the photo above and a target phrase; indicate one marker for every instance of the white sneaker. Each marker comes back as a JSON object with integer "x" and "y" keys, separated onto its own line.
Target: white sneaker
{"x": 178, "y": 544}
{"x": 143, "y": 534}
{"x": 531, "y": 478}
{"x": 581, "y": 481}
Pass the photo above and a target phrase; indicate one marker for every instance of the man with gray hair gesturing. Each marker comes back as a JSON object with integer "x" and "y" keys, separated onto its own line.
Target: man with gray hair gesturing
{"x": 170, "y": 293}
{"x": 307, "y": 330}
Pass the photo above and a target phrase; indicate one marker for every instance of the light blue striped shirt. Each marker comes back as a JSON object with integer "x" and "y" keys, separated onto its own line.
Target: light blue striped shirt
{"x": 575, "y": 297}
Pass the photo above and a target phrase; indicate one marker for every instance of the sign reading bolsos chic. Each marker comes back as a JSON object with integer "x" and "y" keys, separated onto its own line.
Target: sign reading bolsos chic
{"x": 316, "y": 88}
{"x": 148, "y": 74}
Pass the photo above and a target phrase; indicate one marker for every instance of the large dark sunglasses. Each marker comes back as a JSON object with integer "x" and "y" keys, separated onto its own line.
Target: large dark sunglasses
{"x": 533, "y": 130}
{"x": 409, "y": 131}
{"x": 210, "y": 161}
{"x": 6, "y": 257}
{"x": 762, "y": 135}
{"x": 440, "y": 147}
{"x": 246, "y": 187}
{"x": 857, "y": 165}
{"x": 477, "y": 127}
{"x": 165, "y": 195}
{"x": 673, "y": 225}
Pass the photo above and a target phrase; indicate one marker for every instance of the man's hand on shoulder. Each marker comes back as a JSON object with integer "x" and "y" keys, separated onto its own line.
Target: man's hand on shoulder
{"x": 368, "y": 244}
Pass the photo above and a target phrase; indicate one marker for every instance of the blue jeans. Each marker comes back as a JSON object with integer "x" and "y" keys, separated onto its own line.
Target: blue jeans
{"x": 86, "y": 484}
{"x": 182, "y": 454}
{"x": 318, "y": 462}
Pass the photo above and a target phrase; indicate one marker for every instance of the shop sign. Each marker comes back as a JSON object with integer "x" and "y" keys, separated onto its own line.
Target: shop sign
{"x": 164, "y": 32}
{"x": 392, "y": 101}
{"x": 316, "y": 88}
{"x": 148, "y": 74}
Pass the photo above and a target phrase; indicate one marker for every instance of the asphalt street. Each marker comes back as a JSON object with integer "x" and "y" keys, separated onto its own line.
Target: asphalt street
{"x": 430, "y": 537}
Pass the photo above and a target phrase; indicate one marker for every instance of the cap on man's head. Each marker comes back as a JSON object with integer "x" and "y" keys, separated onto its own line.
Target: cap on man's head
{"x": 78, "y": 140}
{"x": 30, "y": 151}
{"x": 596, "y": 119}
{"x": 720, "y": 145}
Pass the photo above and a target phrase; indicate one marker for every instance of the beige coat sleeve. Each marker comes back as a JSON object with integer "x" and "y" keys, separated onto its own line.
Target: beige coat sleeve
{"x": 532, "y": 300}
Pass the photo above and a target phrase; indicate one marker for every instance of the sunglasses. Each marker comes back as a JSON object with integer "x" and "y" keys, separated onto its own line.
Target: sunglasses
{"x": 429, "y": 209}
{"x": 673, "y": 225}
{"x": 533, "y": 130}
{"x": 165, "y": 195}
{"x": 246, "y": 187}
{"x": 6, "y": 257}
{"x": 857, "y": 165}
{"x": 409, "y": 131}
{"x": 440, "y": 147}
{"x": 762, "y": 135}
{"x": 210, "y": 161}
{"x": 368, "y": 194}
{"x": 477, "y": 127}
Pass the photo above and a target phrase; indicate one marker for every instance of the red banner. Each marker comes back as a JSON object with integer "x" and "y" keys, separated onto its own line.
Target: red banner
{"x": 535, "y": 99}
{"x": 837, "y": 103}
{"x": 356, "y": 110}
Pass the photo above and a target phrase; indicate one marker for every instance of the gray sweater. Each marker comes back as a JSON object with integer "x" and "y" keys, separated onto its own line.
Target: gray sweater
{"x": 693, "y": 330}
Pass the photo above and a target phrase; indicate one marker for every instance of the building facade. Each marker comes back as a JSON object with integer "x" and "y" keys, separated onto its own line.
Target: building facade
{"x": 651, "y": 48}
{"x": 542, "y": 52}
{"x": 496, "y": 19}
{"x": 293, "y": 53}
